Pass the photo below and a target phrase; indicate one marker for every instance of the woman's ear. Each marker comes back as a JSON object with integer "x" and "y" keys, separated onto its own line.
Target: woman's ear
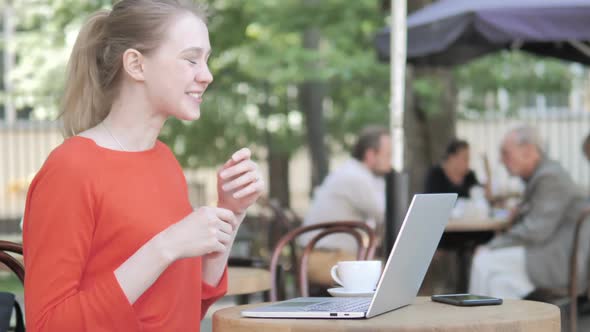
{"x": 133, "y": 64}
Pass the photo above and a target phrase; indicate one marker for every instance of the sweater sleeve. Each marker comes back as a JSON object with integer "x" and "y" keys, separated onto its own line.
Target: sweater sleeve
{"x": 57, "y": 239}
{"x": 548, "y": 203}
{"x": 210, "y": 294}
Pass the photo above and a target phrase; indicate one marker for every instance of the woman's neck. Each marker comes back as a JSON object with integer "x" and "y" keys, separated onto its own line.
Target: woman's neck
{"x": 133, "y": 125}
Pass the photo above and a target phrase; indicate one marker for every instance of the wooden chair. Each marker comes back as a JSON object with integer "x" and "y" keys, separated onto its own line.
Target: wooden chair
{"x": 359, "y": 230}
{"x": 567, "y": 299}
{"x": 12, "y": 263}
{"x": 276, "y": 220}
{"x": 573, "y": 272}
{"x": 7, "y": 247}
{"x": 283, "y": 220}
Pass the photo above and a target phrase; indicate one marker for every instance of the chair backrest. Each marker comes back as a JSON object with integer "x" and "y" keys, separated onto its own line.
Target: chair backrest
{"x": 283, "y": 220}
{"x": 12, "y": 263}
{"x": 357, "y": 229}
{"x": 573, "y": 272}
{"x": 582, "y": 220}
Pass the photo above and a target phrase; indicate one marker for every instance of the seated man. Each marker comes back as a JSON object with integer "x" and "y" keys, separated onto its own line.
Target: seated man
{"x": 353, "y": 192}
{"x": 534, "y": 252}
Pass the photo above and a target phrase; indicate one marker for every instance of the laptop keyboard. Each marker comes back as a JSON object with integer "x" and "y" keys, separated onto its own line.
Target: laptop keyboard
{"x": 343, "y": 305}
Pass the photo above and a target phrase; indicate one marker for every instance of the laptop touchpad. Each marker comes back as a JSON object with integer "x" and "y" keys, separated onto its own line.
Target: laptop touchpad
{"x": 294, "y": 304}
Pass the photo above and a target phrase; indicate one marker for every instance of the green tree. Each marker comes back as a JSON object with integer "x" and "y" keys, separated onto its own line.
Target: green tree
{"x": 45, "y": 33}
{"x": 264, "y": 59}
{"x": 259, "y": 64}
{"x": 519, "y": 74}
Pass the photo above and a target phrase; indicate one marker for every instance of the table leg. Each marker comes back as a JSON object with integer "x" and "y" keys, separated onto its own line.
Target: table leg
{"x": 464, "y": 244}
{"x": 463, "y": 262}
{"x": 242, "y": 299}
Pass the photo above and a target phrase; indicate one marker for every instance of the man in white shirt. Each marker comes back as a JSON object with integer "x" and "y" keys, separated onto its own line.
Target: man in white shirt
{"x": 353, "y": 192}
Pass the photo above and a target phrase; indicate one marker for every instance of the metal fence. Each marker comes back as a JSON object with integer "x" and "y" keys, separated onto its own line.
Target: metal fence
{"x": 24, "y": 146}
{"x": 561, "y": 129}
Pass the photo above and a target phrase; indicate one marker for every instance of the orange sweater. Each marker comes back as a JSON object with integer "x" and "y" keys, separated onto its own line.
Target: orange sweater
{"x": 88, "y": 210}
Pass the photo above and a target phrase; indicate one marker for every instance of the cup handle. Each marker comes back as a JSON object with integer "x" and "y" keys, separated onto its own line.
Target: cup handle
{"x": 334, "y": 273}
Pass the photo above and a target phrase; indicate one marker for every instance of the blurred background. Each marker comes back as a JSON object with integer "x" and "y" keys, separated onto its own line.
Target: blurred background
{"x": 295, "y": 81}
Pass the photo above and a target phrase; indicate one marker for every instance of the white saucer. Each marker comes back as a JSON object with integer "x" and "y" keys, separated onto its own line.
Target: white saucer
{"x": 340, "y": 292}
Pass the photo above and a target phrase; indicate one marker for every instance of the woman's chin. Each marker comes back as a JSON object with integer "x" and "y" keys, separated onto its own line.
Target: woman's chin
{"x": 190, "y": 116}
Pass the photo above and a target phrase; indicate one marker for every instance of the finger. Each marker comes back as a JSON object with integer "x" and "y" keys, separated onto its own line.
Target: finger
{"x": 224, "y": 238}
{"x": 239, "y": 168}
{"x": 238, "y": 156}
{"x": 218, "y": 247}
{"x": 253, "y": 188}
{"x": 242, "y": 167}
{"x": 243, "y": 153}
{"x": 226, "y": 216}
{"x": 228, "y": 163}
{"x": 242, "y": 181}
{"x": 225, "y": 227}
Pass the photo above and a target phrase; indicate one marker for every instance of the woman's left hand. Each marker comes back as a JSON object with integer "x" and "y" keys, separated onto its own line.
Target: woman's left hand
{"x": 239, "y": 183}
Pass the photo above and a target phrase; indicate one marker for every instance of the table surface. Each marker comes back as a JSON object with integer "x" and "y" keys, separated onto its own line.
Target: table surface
{"x": 476, "y": 225}
{"x": 247, "y": 280}
{"x": 424, "y": 315}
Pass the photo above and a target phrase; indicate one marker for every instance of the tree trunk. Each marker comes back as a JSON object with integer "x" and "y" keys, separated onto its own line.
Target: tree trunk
{"x": 278, "y": 161}
{"x": 311, "y": 95}
{"x": 414, "y": 5}
{"x": 427, "y": 134}
{"x": 278, "y": 169}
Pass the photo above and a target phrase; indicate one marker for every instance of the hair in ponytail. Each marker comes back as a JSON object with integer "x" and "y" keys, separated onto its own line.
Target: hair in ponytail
{"x": 95, "y": 65}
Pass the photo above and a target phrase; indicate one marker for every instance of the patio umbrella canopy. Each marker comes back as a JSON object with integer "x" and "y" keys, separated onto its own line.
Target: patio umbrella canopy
{"x": 451, "y": 32}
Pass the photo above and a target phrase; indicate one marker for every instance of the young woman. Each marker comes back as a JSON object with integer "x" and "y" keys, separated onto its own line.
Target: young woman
{"x": 111, "y": 242}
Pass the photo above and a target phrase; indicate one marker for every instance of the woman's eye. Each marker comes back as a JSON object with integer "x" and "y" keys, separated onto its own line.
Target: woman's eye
{"x": 191, "y": 61}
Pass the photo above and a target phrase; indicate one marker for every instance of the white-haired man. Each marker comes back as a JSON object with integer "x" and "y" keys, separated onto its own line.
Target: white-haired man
{"x": 534, "y": 252}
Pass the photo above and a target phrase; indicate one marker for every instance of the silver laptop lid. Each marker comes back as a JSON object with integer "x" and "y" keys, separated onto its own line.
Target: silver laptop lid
{"x": 412, "y": 252}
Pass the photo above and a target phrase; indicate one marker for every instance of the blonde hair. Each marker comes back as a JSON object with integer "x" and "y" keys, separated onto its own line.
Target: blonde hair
{"x": 95, "y": 65}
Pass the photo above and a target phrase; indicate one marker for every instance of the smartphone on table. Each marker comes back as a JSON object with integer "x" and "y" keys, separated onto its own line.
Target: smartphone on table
{"x": 466, "y": 300}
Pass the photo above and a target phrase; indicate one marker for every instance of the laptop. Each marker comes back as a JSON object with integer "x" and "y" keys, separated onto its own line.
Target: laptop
{"x": 402, "y": 276}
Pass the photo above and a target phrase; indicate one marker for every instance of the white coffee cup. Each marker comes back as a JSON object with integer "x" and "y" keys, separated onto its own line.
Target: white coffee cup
{"x": 360, "y": 276}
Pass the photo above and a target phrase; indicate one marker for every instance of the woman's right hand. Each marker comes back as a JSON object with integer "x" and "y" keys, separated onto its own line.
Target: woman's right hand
{"x": 204, "y": 231}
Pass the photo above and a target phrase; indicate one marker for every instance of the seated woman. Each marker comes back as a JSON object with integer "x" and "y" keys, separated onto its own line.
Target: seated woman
{"x": 453, "y": 174}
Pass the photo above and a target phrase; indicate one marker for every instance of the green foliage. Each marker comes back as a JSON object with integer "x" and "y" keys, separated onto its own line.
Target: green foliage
{"x": 515, "y": 71}
{"x": 520, "y": 74}
{"x": 11, "y": 283}
{"x": 428, "y": 91}
{"x": 258, "y": 62}
{"x": 46, "y": 31}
